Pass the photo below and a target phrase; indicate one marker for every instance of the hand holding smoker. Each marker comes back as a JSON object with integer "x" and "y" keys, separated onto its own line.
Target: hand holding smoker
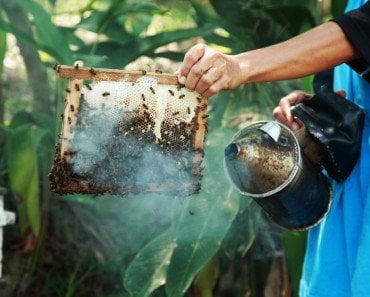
{"x": 282, "y": 171}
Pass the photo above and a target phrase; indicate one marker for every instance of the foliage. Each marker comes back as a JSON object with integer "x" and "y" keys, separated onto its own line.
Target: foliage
{"x": 139, "y": 246}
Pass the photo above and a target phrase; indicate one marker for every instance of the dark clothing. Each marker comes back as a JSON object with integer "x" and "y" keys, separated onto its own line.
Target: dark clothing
{"x": 356, "y": 25}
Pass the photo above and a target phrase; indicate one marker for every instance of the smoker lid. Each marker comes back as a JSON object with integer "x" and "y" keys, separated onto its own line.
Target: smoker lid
{"x": 262, "y": 159}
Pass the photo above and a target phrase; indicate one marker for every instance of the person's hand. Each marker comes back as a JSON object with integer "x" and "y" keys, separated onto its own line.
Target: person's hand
{"x": 208, "y": 71}
{"x": 282, "y": 112}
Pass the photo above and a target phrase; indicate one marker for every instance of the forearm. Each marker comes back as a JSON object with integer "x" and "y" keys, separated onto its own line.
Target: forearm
{"x": 313, "y": 51}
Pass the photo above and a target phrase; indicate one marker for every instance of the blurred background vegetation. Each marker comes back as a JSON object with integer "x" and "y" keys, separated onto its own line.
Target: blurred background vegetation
{"x": 217, "y": 243}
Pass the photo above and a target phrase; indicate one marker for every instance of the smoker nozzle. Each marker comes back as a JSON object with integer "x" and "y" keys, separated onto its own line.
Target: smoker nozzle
{"x": 232, "y": 151}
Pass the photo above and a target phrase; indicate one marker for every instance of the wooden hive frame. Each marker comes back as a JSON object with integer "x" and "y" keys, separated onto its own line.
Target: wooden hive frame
{"x": 65, "y": 180}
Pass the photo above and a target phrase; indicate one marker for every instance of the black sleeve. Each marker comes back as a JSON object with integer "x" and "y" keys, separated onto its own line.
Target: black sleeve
{"x": 356, "y": 25}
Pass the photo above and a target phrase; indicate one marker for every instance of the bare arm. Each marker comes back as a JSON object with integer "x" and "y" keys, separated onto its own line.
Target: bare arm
{"x": 208, "y": 71}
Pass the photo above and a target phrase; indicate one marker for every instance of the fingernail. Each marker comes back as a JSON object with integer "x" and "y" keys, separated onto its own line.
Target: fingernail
{"x": 182, "y": 80}
{"x": 295, "y": 126}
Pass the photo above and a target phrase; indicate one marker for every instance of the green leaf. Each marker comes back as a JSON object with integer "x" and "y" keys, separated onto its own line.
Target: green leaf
{"x": 294, "y": 247}
{"x": 5, "y": 26}
{"x": 206, "y": 220}
{"x": 24, "y": 172}
{"x": 78, "y": 199}
{"x": 3, "y": 47}
{"x": 292, "y": 18}
{"x": 122, "y": 54}
{"x": 238, "y": 13}
{"x": 338, "y": 7}
{"x": 48, "y": 35}
{"x": 147, "y": 271}
{"x": 25, "y": 136}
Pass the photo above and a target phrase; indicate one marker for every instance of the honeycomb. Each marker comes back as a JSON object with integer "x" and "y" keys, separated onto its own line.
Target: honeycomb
{"x": 128, "y": 132}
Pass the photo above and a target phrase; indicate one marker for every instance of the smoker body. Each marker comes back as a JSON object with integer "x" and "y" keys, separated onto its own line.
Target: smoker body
{"x": 264, "y": 161}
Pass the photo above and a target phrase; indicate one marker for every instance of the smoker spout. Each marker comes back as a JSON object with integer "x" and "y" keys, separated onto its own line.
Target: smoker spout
{"x": 232, "y": 151}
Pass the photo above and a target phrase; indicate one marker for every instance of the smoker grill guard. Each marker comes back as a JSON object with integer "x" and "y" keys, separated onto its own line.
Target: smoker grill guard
{"x": 128, "y": 132}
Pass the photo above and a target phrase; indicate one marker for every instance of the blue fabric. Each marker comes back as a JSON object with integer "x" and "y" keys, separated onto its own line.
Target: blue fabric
{"x": 337, "y": 261}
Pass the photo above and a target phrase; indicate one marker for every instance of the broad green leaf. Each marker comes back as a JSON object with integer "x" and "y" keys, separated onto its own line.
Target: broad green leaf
{"x": 147, "y": 271}
{"x": 203, "y": 225}
{"x": 3, "y": 48}
{"x": 239, "y": 13}
{"x": 122, "y": 54}
{"x": 48, "y": 35}
{"x": 24, "y": 172}
{"x": 338, "y": 7}
{"x": 79, "y": 199}
{"x": 5, "y": 26}
{"x": 206, "y": 278}
{"x": 25, "y": 135}
{"x": 294, "y": 247}
{"x": 292, "y": 18}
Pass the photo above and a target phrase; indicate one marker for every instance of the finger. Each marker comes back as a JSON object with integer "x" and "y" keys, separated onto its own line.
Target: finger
{"x": 285, "y": 106}
{"x": 280, "y": 117}
{"x": 208, "y": 78}
{"x": 190, "y": 58}
{"x": 216, "y": 87}
{"x": 291, "y": 99}
{"x": 342, "y": 93}
{"x": 197, "y": 72}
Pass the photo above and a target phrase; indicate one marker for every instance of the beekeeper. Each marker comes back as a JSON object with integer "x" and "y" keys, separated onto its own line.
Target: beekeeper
{"x": 337, "y": 261}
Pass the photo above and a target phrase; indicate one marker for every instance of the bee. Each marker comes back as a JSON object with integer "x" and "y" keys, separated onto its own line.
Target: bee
{"x": 145, "y": 106}
{"x": 188, "y": 110}
{"x": 199, "y": 99}
{"x": 142, "y": 96}
{"x": 72, "y": 108}
{"x": 88, "y": 87}
{"x": 105, "y": 94}
{"x": 77, "y": 87}
{"x": 69, "y": 120}
{"x": 62, "y": 116}
{"x": 82, "y": 97}
{"x": 56, "y": 67}
{"x": 171, "y": 92}
{"x": 205, "y": 116}
{"x": 92, "y": 71}
{"x": 158, "y": 71}
{"x": 191, "y": 212}
{"x": 175, "y": 113}
{"x": 77, "y": 66}
{"x": 68, "y": 90}
{"x": 69, "y": 153}
{"x": 143, "y": 72}
{"x": 152, "y": 90}
{"x": 181, "y": 96}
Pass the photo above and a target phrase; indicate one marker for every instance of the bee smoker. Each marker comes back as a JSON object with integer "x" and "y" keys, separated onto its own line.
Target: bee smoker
{"x": 265, "y": 162}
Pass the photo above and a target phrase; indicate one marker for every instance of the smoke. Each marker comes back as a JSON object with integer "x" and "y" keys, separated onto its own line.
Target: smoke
{"x": 119, "y": 142}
